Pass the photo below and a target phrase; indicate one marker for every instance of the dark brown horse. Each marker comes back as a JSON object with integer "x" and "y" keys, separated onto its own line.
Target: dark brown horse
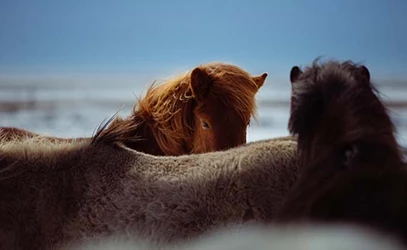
{"x": 203, "y": 110}
{"x": 352, "y": 169}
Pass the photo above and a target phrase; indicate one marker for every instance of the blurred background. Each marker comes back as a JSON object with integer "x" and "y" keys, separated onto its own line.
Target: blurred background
{"x": 67, "y": 65}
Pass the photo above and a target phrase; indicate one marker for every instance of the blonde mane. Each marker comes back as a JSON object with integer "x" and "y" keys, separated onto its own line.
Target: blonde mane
{"x": 167, "y": 108}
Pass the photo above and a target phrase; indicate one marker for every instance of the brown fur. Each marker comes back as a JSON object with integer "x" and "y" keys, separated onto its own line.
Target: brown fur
{"x": 57, "y": 192}
{"x": 172, "y": 118}
{"x": 352, "y": 167}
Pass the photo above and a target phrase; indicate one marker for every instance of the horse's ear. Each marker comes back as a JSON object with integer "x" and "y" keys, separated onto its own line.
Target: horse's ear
{"x": 295, "y": 74}
{"x": 200, "y": 84}
{"x": 364, "y": 73}
{"x": 259, "y": 80}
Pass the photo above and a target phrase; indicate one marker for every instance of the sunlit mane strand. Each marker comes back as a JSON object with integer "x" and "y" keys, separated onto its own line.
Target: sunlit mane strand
{"x": 166, "y": 109}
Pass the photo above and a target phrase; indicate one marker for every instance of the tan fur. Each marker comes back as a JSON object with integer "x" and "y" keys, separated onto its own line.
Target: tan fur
{"x": 60, "y": 192}
{"x": 13, "y": 134}
{"x": 296, "y": 236}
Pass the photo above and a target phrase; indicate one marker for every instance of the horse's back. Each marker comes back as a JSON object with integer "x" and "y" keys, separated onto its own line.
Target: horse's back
{"x": 38, "y": 182}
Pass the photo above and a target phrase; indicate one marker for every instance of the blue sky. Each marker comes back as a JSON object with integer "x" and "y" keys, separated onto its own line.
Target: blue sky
{"x": 94, "y": 36}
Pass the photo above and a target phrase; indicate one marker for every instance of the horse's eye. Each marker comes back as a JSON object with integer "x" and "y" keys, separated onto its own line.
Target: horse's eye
{"x": 204, "y": 124}
{"x": 349, "y": 155}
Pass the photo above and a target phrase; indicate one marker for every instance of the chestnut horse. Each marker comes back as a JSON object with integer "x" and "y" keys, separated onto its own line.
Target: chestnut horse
{"x": 351, "y": 165}
{"x": 206, "y": 109}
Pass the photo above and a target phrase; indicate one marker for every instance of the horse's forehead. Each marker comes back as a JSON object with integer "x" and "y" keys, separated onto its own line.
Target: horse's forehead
{"x": 232, "y": 104}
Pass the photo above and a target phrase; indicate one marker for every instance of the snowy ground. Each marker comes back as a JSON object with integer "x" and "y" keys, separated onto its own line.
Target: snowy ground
{"x": 72, "y": 110}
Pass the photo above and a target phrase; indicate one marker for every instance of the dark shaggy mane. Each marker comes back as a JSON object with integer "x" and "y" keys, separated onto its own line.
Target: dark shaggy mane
{"x": 352, "y": 170}
{"x": 342, "y": 95}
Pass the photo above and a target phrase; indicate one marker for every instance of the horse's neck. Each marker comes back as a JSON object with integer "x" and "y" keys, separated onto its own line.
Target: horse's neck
{"x": 142, "y": 138}
{"x": 141, "y": 194}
